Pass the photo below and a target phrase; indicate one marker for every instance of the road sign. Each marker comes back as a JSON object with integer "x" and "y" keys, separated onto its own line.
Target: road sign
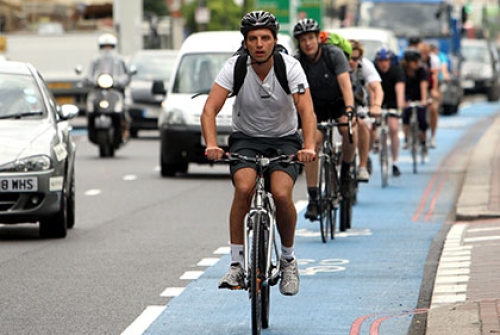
{"x": 292, "y": 10}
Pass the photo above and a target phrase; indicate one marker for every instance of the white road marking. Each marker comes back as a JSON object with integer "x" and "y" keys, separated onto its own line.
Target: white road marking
{"x": 223, "y": 251}
{"x": 208, "y": 261}
{"x": 171, "y": 292}
{"x": 129, "y": 177}
{"x": 190, "y": 275}
{"x": 93, "y": 192}
{"x": 144, "y": 320}
{"x": 481, "y": 239}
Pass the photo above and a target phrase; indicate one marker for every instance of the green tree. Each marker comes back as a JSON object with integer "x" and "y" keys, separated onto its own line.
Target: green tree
{"x": 224, "y": 15}
{"x": 159, "y": 7}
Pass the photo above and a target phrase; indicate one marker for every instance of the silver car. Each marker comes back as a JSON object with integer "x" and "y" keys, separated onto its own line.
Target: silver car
{"x": 151, "y": 67}
{"x": 37, "y": 153}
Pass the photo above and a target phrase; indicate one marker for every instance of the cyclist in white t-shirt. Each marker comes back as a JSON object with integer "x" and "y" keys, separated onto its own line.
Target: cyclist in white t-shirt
{"x": 264, "y": 122}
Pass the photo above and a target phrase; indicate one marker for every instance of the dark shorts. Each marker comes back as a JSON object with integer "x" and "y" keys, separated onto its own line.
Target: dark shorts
{"x": 267, "y": 146}
{"x": 328, "y": 112}
{"x": 421, "y": 115}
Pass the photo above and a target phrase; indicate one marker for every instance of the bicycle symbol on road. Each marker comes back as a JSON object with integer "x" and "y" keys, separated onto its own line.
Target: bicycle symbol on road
{"x": 325, "y": 266}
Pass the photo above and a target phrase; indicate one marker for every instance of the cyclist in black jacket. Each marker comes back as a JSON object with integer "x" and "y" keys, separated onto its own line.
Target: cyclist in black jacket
{"x": 327, "y": 70}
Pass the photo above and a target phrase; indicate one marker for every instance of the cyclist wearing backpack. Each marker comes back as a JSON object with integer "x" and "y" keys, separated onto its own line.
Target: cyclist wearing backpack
{"x": 264, "y": 122}
{"x": 327, "y": 71}
{"x": 393, "y": 84}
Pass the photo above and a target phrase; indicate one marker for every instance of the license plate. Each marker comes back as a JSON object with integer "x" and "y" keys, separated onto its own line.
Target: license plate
{"x": 63, "y": 100}
{"x": 102, "y": 122}
{"x": 222, "y": 140}
{"x": 467, "y": 83}
{"x": 149, "y": 113}
{"x": 59, "y": 85}
{"x": 29, "y": 184}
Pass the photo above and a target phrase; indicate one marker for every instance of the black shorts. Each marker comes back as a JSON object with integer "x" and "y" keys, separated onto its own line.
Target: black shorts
{"x": 267, "y": 146}
{"x": 421, "y": 115}
{"x": 328, "y": 112}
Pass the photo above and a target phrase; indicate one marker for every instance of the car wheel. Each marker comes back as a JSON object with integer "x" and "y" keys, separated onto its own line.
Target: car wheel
{"x": 493, "y": 93}
{"x": 56, "y": 226}
{"x": 134, "y": 132}
{"x": 71, "y": 202}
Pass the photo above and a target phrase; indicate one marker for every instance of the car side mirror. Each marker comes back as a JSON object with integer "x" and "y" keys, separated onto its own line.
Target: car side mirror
{"x": 79, "y": 69}
{"x": 68, "y": 111}
{"x": 158, "y": 88}
{"x": 133, "y": 70}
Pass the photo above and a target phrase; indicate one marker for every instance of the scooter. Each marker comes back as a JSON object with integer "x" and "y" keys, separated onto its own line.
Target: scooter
{"x": 107, "y": 123}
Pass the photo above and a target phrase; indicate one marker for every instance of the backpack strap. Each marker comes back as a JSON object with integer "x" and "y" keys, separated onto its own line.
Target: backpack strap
{"x": 240, "y": 71}
{"x": 280, "y": 71}
{"x": 328, "y": 56}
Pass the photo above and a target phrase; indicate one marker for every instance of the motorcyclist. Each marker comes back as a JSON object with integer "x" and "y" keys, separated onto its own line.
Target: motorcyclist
{"x": 108, "y": 61}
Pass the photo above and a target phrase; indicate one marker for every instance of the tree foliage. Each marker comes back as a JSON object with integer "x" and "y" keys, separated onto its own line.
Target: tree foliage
{"x": 224, "y": 15}
{"x": 159, "y": 7}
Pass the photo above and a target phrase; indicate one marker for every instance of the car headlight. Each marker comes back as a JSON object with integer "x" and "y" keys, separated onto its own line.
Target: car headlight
{"x": 28, "y": 164}
{"x": 175, "y": 117}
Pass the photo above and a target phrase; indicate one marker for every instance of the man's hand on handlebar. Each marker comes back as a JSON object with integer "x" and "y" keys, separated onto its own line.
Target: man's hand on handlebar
{"x": 214, "y": 153}
{"x": 306, "y": 155}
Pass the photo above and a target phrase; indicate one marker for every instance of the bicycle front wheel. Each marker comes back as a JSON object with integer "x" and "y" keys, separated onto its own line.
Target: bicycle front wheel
{"x": 257, "y": 276}
{"x": 384, "y": 159}
{"x": 325, "y": 200}
{"x": 414, "y": 143}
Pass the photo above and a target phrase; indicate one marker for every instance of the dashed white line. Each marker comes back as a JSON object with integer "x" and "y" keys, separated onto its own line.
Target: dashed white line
{"x": 171, "y": 292}
{"x": 208, "y": 261}
{"x": 222, "y": 251}
{"x": 129, "y": 177}
{"x": 190, "y": 275}
{"x": 144, "y": 320}
{"x": 93, "y": 192}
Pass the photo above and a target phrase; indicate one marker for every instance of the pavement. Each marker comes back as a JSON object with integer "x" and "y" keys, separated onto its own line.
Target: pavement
{"x": 466, "y": 294}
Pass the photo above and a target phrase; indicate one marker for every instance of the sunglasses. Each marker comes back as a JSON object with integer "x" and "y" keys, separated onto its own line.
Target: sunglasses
{"x": 355, "y": 59}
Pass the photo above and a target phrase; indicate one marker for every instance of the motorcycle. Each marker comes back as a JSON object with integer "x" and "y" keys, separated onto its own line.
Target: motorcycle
{"x": 107, "y": 122}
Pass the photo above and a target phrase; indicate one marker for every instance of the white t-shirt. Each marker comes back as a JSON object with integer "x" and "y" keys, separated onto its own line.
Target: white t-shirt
{"x": 262, "y": 108}
{"x": 370, "y": 73}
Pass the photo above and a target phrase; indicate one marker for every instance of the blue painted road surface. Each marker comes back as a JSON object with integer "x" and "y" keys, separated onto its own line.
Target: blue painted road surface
{"x": 367, "y": 280}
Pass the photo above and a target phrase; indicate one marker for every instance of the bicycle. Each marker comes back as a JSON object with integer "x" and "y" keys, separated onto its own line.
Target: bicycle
{"x": 382, "y": 124}
{"x": 414, "y": 135}
{"x": 330, "y": 195}
{"x": 261, "y": 252}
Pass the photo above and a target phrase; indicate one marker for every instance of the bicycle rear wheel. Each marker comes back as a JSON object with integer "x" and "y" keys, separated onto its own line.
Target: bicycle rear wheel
{"x": 325, "y": 200}
{"x": 384, "y": 158}
{"x": 256, "y": 277}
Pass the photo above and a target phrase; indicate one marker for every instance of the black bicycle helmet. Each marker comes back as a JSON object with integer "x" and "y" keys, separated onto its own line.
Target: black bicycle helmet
{"x": 305, "y": 26}
{"x": 412, "y": 55}
{"x": 383, "y": 54}
{"x": 259, "y": 19}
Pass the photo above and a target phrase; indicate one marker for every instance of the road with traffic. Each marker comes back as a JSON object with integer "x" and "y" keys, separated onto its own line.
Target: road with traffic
{"x": 147, "y": 252}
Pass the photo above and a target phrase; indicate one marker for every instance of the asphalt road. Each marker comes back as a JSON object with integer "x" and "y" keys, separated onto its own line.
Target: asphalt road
{"x": 139, "y": 240}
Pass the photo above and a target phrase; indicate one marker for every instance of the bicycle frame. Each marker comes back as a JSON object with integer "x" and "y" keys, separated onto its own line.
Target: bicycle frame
{"x": 414, "y": 133}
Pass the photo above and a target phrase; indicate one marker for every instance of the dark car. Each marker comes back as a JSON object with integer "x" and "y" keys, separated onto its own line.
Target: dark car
{"x": 151, "y": 67}
{"x": 480, "y": 68}
{"x": 37, "y": 153}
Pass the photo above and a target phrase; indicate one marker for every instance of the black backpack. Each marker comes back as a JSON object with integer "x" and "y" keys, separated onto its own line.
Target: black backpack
{"x": 240, "y": 69}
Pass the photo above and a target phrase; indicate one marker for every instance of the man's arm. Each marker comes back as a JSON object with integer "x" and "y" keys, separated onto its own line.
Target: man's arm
{"x": 400, "y": 94}
{"x": 376, "y": 96}
{"x": 213, "y": 105}
{"x": 345, "y": 85}
{"x": 304, "y": 105}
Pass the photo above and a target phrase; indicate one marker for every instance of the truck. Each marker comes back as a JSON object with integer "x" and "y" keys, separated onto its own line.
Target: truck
{"x": 435, "y": 21}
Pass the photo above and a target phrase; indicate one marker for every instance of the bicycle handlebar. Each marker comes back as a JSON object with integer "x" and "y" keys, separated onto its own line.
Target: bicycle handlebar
{"x": 260, "y": 160}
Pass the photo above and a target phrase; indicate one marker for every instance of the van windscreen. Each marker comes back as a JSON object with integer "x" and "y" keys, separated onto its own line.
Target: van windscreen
{"x": 196, "y": 72}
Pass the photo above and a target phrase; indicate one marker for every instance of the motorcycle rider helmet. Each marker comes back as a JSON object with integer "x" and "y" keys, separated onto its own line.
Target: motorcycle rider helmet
{"x": 305, "y": 26}
{"x": 257, "y": 20}
{"x": 412, "y": 55}
{"x": 383, "y": 54}
{"x": 107, "y": 40}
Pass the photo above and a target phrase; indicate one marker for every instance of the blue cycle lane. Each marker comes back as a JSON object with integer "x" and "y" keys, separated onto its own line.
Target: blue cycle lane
{"x": 367, "y": 280}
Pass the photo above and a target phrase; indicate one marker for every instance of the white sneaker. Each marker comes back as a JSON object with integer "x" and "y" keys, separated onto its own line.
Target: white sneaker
{"x": 290, "y": 280}
{"x": 362, "y": 174}
{"x": 432, "y": 145}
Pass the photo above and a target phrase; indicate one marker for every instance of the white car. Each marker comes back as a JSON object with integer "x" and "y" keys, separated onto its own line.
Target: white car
{"x": 371, "y": 38}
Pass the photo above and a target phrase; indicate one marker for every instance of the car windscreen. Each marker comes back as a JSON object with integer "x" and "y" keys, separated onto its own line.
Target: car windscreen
{"x": 19, "y": 97}
{"x": 475, "y": 53}
{"x": 153, "y": 67}
{"x": 196, "y": 72}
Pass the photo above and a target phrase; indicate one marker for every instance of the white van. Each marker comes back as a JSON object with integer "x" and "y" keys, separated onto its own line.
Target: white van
{"x": 200, "y": 59}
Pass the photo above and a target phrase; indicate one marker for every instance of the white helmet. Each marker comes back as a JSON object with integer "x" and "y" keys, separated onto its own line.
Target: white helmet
{"x": 107, "y": 39}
